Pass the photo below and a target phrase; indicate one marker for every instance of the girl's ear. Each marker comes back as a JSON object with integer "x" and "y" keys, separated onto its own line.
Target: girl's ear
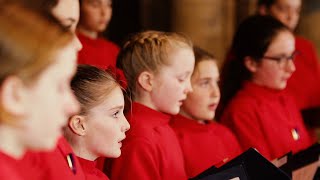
{"x": 13, "y": 96}
{"x": 78, "y": 125}
{"x": 145, "y": 80}
{"x": 251, "y": 64}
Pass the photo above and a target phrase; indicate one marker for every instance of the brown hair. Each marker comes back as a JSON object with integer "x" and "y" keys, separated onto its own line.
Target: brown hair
{"x": 148, "y": 51}
{"x": 24, "y": 49}
{"x": 92, "y": 85}
{"x": 201, "y": 55}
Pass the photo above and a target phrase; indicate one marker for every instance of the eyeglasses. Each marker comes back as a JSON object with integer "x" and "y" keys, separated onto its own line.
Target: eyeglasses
{"x": 282, "y": 60}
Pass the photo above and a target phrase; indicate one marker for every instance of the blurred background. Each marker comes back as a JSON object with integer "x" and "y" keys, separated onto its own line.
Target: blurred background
{"x": 209, "y": 23}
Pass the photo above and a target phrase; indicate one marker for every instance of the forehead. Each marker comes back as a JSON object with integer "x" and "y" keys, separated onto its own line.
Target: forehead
{"x": 67, "y": 9}
{"x": 116, "y": 97}
{"x": 206, "y": 68}
{"x": 181, "y": 58}
{"x": 113, "y": 100}
{"x": 283, "y": 42}
{"x": 291, "y": 3}
{"x": 178, "y": 53}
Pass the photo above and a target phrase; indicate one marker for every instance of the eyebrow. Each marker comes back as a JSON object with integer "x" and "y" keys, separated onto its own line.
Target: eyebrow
{"x": 209, "y": 78}
{"x": 205, "y": 79}
{"x": 117, "y": 107}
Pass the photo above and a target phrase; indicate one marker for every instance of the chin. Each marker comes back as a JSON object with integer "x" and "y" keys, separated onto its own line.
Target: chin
{"x": 212, "y": 117}
{"x": 282, "y": 86}
{"x": 209, "y": 118}
{"x": 293, "y": 26}
{"x": 115, "y": 154}
{"x": 174, "y": 111}
{"x": 171, "y": 110}
{"x": 101, "y": 28}
{"x": 278, "y": 86}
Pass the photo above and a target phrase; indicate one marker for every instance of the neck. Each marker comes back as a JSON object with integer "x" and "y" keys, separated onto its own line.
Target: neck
{"x": 81, "y": 150}
{"x": 87, "y": 33}
{"x": 200, "y": 121}
{"x": 183, "y": 113}
{"x": 145, "y": 100}
{"x": 11, "y": 143}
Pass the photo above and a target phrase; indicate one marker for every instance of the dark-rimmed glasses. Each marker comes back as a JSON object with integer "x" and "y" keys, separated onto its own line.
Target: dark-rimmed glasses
{"x": 282, "y": 60}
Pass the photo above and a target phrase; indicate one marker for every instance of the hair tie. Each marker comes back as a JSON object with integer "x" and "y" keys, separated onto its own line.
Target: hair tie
{"x": 118, "y": 75}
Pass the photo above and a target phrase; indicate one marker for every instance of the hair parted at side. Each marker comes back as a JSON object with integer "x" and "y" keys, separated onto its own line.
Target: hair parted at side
{"x": 92, "y": 86}
{"x": 202, "y": 55}
{"x": 148, "y": 51}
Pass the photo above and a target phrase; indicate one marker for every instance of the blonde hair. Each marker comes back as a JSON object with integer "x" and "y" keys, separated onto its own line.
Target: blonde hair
{"x": 91, "y": 87}
{"x": 28, "y": 44}
{"x": 148, "y": 51}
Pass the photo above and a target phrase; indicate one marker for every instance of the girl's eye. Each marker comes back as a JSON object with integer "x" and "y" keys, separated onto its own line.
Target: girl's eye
{"x": 115, "y": 115}
{"x": 67, "y": 26}
{"x": 180, "y": 80}
{"x": 205, "y": 83}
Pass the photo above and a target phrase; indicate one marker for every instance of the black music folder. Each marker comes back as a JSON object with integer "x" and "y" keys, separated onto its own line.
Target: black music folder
{"x": 302, "y": 159}
{"x": 250, "y": 165}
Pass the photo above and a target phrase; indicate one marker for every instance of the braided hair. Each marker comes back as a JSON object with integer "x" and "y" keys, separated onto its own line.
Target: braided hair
{"x": 148, "y": 51}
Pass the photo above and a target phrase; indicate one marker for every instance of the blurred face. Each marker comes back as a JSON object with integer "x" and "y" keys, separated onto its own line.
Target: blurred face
{"x": 172, "y": 83}
{"x": 51, "y": 102}
{"x": 67, "y": 12}
{"x": 95, "y": 14}
{"x": 277, "y": 66}
{"x": 202, "y": 102}
{"x": 286, "y": 11}
{"x": 107, "y": 126}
